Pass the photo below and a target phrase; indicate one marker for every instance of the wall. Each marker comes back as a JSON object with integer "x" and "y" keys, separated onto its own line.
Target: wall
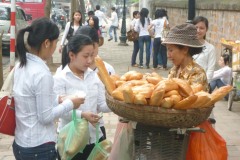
{"x": 223, "y": 17}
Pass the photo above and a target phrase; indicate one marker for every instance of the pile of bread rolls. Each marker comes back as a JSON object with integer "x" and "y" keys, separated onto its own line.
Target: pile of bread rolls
{"x": 152, "y": 89}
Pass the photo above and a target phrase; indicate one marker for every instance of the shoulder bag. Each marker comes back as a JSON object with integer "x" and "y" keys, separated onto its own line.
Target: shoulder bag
{"x": 70, "y": 31}
{"x": 7, "y": 107}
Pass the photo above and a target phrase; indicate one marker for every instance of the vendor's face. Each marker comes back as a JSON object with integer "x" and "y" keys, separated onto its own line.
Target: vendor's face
{"x": 201, "y": 30}
{"x": 83, "y": 59}
{"x": 175, "y": 54}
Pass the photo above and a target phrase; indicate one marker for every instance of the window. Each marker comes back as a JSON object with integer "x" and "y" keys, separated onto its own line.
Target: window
{"x": 4, "y": 13}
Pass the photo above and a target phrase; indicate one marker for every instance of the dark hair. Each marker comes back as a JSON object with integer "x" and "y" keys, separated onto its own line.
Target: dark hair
{"x": 198, "y": 19}
{"x": 40, "y": 30}
{"x": 97, "y": 7}
{"x": 75, "y": 45}
{"x": 192, "y": 50}
{"x": 159, "y": 13}
{"x": 225, "y": 58}
{"x": 113, "y": 8}
{"x": 143, "y": 14}
{"x": 91, "y": 13}
{"x": 95, "y": 21}
{"x": 80, "y": 22}
{"x": 88, "y": 31}
{"x": 135, "y": 13}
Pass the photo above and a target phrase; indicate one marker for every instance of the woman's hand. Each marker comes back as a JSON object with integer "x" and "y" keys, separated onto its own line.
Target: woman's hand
{"x": 77, "y": 101}
{"x": 91, "y": 117}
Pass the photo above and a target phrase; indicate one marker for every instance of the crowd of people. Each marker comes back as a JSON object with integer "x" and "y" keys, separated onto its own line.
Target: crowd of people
{"x": 42, "y": 98}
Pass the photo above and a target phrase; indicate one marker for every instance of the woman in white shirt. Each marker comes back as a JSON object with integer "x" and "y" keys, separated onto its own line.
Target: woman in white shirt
{"x": 77, "y": 76}
{"x": 207, "y": 59}
{"x": 36, "y": 105}
{"x": 223, "y": 76}
{"x": 71, "y": 27}
{"x": 159, "y": 49}
{"x": 144, "y": 37}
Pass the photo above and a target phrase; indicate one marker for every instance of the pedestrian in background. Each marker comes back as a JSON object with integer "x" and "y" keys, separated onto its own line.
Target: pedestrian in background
{"x": 114, "y": 24}
{"x": 144, "y": 37}
{"x": 94, "y": 23}
{"x": 76, "y": 75}
{"x": 71, "y": 28}
{"x": 207, "y": 58}
{"x": 36, "y": 105}
{"x": 135, "y": 43}
{"x": 101, "y": 16}
{"x": 90, "y": 14}
{"x": 159, "y": 23}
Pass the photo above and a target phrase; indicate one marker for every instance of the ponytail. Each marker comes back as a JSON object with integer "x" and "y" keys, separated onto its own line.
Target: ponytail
{"x": 65, "y": 56}
{"x": 21, "y": 48}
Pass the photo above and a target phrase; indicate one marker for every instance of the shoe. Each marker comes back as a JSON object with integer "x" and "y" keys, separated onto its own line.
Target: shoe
{"x": 147, "y": 67}
{"x": 135, "y": 65}
{"x": 110, "y": 39}
{"x": 160, "y": 67}
{"x": 140, "y": 66}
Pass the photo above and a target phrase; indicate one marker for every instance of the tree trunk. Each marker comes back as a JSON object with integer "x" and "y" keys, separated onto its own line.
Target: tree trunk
{"x": 47, "y": 8}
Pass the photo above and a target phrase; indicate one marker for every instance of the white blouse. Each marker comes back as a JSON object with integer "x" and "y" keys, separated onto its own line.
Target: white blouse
{"x": 36, "y": 105}
{"x": 65, "y": 83}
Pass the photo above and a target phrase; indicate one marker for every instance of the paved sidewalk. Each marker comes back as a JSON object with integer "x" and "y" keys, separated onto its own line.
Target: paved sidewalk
{"x": 119, "y": 56}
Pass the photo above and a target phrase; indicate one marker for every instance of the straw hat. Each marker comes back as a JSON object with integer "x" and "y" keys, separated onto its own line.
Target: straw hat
{"x": 184, "y": 34}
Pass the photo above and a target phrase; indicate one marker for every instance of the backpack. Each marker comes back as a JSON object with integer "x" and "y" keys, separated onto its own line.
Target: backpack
{"x": 70, "y": 31}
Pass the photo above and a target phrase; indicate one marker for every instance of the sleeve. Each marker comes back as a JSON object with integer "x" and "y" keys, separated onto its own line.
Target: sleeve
{"x": 65, "y": 33}
{"x": 60, "y": 89}
{"x": 219, "y": 73}
{"x": 102, "y": 105}
{"x": 212, "y": 58}
{"x": 46, "y": 98}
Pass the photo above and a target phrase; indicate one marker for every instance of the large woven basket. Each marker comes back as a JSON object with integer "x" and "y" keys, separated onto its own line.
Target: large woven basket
{"x": 158, "y": 116}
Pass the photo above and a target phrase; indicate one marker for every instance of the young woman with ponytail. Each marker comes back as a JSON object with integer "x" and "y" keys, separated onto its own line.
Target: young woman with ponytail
{"x": 36, "y": 105}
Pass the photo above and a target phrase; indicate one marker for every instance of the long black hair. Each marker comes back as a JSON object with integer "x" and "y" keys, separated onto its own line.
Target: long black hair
{"x": 95, "y": 21}
{"x": 143, "y": 14}
{"x": 75, "y": 45}
{"x": 40, "y": 30}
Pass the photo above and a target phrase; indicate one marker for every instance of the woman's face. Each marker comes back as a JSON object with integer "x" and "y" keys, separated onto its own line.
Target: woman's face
{"x": 201, "y": 30}
{"x": 83, "y": 59}
{"x": 221, "y": 62}
{"x": 91, "y": 22}
{"x": 77, "y": 16}
{"x": 175, "y": 54}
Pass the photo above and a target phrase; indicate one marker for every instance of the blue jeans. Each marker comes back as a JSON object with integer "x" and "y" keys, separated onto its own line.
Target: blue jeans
{"x": 135, "y": 52}
{"x": 147, "y": 41}
{"x": 43, "y": 152}
{"x": 160, "y": 53}
{"x": 114, "y": 29}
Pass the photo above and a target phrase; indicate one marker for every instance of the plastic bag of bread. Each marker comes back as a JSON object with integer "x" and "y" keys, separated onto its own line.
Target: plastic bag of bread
{"x": 101, "y": 150}
{"x": 73, "y": 137}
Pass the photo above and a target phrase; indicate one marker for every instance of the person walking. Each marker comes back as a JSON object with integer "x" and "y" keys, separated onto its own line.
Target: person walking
{"x": 36, "y": 105}
{"x": 71, "y": 28}
{"x": 101, "y": 16}
{"x": 114, "y": 24}
{"x": 135, "y": 43}
{"x": 144, "y": 37}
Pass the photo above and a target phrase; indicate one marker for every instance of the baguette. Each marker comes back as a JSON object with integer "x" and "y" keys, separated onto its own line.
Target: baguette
{"x": 167, "y": 85}
{"x": 156, "y": 98}
{"x": 167, "y": 102}
{"x": 185, "y": 89}
{"x": 186, "y": 103}
{"x": 128, "y": 95}
{"x": 107, "y": 81}
{"x": 170, "y": 93}
{"x": 140, "y": 99}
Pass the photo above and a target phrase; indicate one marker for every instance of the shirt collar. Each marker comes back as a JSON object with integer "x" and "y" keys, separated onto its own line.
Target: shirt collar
{"x": 67, "y": 70}
{"x": 37, "y": 59}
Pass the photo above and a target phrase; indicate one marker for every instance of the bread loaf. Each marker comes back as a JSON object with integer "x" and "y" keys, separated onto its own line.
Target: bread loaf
{"x": 156, "y": 98}
{"x": 140, "y": 99}
{"x": 107, "y": 81}
{"x": 185, "y": 89}
{"x": 176, "y": 98}
{"x": 170, "y": 93}
{"x": 197, "y": 88}
{"x": 128, "y": 95}
{"x": 220, "y": 93}
{"x": 153, "y": 80}
{"x": 186, "y": 103}
{"x": 167, "y": 102}
{"x": 202, "y": 99}
{"x": 167, "y": 85}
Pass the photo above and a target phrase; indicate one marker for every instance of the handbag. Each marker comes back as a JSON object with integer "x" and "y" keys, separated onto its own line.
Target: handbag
{"x": 70, "y": 32}
{"x": 132, "y": 35}
{"x": 7, "y": 107}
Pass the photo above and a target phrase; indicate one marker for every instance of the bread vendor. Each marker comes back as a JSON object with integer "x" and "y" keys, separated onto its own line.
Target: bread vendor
{"x": 182, "y": 43}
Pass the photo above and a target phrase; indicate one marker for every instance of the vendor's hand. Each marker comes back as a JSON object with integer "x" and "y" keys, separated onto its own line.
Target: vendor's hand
{"x": 91, "y": 117}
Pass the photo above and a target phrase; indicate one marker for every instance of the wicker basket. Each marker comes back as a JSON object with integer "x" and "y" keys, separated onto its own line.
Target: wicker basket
{"x": 158, "y": 116}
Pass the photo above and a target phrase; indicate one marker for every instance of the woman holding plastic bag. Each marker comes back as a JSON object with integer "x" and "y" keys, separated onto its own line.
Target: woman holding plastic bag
{"x": 77, "y": 76}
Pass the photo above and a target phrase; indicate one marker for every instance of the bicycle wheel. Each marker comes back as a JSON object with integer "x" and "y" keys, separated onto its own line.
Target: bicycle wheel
{"x": 231, "y": 98}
